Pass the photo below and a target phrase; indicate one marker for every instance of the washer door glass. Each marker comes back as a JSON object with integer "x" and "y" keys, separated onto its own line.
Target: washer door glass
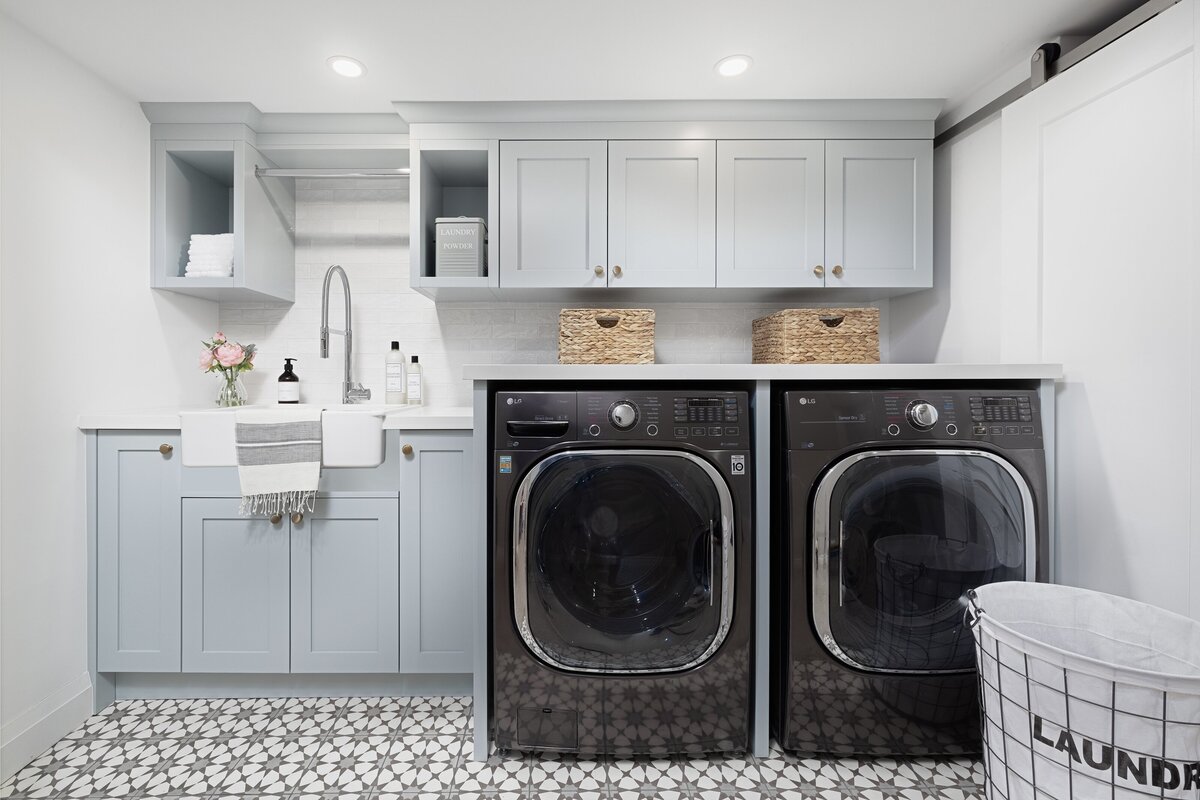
{"x": 899, "y": 537}
{"x": 625, "y": 558}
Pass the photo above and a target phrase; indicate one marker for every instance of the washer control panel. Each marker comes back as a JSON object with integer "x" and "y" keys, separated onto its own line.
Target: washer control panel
{"x": 831, "y": 420}
{"x": 536, "y": 420}
{"x": 711, "y": 420}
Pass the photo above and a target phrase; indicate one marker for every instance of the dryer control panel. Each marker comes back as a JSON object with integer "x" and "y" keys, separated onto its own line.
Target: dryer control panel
{"x": 710, "y": 420}
{"x": 832, "y": 420}
{"x": 707, "y": 419}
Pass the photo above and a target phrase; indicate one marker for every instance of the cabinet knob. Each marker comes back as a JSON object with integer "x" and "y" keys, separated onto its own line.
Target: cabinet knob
{"x": 297, "y": 518}
{"x": 276, "y": 519}
{"x": 406, "y": 449}
{"x": 837, "y": 271}
{"x": 165, "y": 449}
{"x": 819, "y": 271}
{"x": 599, "y": 270}
{"x": 617, "y": 270}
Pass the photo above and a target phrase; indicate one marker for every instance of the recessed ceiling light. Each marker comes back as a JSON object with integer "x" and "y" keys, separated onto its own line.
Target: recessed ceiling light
{"x": 730, "y": 66}
{"x": 346, "y": 66}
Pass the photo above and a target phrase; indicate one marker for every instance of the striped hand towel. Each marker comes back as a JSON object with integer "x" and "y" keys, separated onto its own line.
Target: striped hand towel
{"x": 279, "y": 459}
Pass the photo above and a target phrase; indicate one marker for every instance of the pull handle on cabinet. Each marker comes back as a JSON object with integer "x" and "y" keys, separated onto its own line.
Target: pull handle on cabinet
{"x": 837, "y": 271}
{"x": 276, "y": 519}
{"x": 819, "y": 271}
{"x": 617, "y": 270}
{"x": 297, "y": 518}
{"x": 165, "y": 449}
{"x": 407, "y": 450}
{"x": 599, "y": 270}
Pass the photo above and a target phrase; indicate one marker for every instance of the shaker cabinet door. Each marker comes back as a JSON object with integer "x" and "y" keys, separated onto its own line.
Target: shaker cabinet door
{"x": 137, "y": 551}
{"x": 661, "y": 213}
{"x": 879, "y": 214}
{"x": 552, "y": 214}
{"x": 235, "y": 589}
{"x": 436, "y": 596}
{"x": 771, "y": 214}
{"x": 345, "y": 614}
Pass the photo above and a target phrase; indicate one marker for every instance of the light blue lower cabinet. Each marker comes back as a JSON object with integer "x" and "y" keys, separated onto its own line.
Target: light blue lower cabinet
{"x": 235, "y": 589}
{"x": 437, "y": 543}
{"x": 137, "y": 551}
{"x": 365, "y": 584}
{"x": 345, "y": 613}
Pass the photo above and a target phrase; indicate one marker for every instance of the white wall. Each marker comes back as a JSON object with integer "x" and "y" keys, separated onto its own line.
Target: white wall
{"x": 1067, "y": 232}
{"x": 363, "y": 225}
{"x": 79, "y": 330}
{"x": 960, "y": 318}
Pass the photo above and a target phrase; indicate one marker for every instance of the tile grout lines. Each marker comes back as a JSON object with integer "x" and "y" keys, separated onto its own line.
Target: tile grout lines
{"x": 342, "y": 750}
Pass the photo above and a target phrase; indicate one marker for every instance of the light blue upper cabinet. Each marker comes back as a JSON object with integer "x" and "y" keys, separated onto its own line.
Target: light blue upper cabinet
{"x": 553, "y": 207}
{"x": 771, "y": 213}
{"x": 879, "y": 214}
{"x": 437, "y": 547}
{"x": 137, "y": 551}
{"x": 661, "y": 214}
{"x": 344, "y": 588}
{"x": 208, "y": 187}
{"x": 235, "y": 589}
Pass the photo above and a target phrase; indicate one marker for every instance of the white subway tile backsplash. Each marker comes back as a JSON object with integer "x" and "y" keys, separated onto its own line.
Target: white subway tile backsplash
{"x": 363, "y": 225}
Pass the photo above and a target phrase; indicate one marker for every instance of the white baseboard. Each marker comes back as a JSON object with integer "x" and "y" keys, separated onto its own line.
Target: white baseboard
{"x": 31, "y": 733}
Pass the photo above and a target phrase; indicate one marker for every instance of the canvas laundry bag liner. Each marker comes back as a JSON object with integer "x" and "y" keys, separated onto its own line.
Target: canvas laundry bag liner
{"x": 1085, "y": 695}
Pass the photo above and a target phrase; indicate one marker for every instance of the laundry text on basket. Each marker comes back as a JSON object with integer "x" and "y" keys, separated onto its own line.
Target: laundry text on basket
{"x": 1162, "y": 774}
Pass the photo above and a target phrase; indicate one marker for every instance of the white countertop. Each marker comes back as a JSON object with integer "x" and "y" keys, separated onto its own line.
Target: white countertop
{"x": 760, "y": 372}
{"x": 430, "y": 418}
{"x": 416, "y": 418}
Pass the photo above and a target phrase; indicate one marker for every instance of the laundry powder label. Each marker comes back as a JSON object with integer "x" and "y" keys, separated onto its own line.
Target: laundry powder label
{"x": 505, "y": 465}
{"x": 737, "y": 465}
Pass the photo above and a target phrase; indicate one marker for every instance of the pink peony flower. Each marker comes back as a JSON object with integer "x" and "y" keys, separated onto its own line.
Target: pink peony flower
{"x": 206, "y": 360}
{"x": 230, "y": 355}
{"x": 218, "y": 337}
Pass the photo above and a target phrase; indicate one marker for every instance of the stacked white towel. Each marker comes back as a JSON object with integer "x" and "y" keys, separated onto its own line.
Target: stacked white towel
{"x": 210, "y": 256}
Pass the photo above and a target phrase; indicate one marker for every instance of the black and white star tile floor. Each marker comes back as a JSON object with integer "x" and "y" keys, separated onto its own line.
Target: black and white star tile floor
{"x": 409, "y": 748}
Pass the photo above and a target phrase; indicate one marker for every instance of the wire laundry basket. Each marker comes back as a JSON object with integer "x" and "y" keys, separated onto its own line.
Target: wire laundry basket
{"x": 1085, "y": 695}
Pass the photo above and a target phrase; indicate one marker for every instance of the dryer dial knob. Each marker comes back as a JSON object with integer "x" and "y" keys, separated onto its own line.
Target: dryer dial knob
{"x": 922, "y": 415}
{"x": 623, "y": 415}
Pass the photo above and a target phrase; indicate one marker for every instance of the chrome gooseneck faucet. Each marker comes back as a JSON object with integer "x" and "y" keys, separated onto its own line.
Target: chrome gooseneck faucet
{"x": 351, "y": 392}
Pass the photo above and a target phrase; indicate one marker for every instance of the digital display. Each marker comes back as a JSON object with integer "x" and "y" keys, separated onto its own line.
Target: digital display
{"x": 999, "y": 401}
{"x": 694, "y": 402}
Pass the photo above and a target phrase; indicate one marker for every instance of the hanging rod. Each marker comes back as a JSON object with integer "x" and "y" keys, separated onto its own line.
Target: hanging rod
{"x": 398, "y": 172}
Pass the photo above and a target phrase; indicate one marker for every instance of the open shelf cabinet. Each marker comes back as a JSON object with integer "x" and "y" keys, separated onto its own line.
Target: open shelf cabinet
{"x": 452, "y": 179}
{"x": 209, "y": 186}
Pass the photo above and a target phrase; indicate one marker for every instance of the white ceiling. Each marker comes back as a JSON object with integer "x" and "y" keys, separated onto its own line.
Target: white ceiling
{"x": 272, "y": 52}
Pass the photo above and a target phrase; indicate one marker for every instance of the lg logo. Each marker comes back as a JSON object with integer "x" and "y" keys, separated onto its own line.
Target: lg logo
{"x": 513, "y": 401}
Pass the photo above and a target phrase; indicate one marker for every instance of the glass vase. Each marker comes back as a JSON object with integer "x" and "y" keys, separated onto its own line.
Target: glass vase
{"x": 233, "y": 392}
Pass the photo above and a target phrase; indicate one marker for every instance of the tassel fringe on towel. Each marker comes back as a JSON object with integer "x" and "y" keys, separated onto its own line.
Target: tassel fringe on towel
{"x": 286, "y": 503}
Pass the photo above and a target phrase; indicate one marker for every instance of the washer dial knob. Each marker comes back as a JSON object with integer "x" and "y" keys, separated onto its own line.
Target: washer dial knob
{"x": 921, "y": 415}
{"x": 623, "y": 415}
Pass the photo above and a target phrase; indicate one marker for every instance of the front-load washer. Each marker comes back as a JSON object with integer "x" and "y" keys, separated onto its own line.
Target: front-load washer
{"x": 891, "y": 504}
{"x": 621, "y": 588}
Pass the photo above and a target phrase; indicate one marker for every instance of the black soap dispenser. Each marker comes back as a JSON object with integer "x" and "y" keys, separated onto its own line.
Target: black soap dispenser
{"x": 289, "y": 383}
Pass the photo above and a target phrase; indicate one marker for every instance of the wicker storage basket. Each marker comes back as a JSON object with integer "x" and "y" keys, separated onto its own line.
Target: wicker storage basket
{"x": 606, "y": 336}
{"x": 817, "y": 336}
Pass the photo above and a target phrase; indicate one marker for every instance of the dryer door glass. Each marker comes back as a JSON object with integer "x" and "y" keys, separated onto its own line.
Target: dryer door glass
{"x": 623, "y": 560}
{"x": 899, "y": 537}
